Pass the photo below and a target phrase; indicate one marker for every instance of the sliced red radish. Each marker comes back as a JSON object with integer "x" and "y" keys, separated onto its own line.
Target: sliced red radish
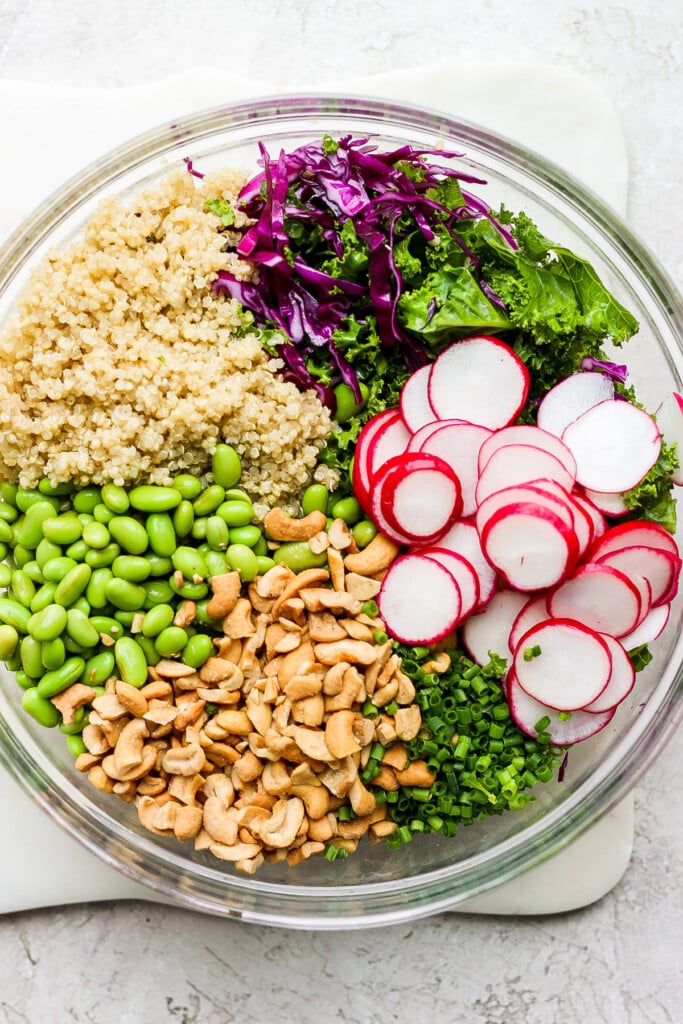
{"x": 527, "y": 434}
{"x": 660, "y": 568}
{"x": 652, "y": 626}
{"x": 615, "y": 445}
{"x": 519, "y": 464}
{"x": 361, "y": 467}
{"x": 531, "y": 547}
{"x": 621, "y": 681}
{"x": 591, "y": 510}
{"x": 421, "y": 435}
{"x": 581, "y": 521}
{"x": 570, "y": 398}
{"x": 645, "y": 591}
{"x": 563, "y": 664}
{"x": 532, "y": 493}
{"x": 414, "y": 401}
{"x": 609, "y": 504}
{"x": 636, "y": 532}
{"x": 479, "y": 379}
{"x": 419, "y": 601}
{"x": 670, "y": 422}
{"x": 529, "y": 713}
{"x": 598, "y": 596}
{"x": 488, "y": 630}
{"x": 534, "y": 611}
{"x": 391, "y": 439}
{"x": 458, "y": 444}
{"x": 463, "y": 539}
{"x": 463, "y": 572}
{"x": 417, "y": 494}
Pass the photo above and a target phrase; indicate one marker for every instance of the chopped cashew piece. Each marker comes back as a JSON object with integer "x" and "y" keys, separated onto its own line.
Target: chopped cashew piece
{"x": 373, "y": 559}
{"x": 280, "y": 526}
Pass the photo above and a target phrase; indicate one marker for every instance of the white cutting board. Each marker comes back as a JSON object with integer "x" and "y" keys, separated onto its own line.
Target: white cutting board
{"x": 50, "y": 133}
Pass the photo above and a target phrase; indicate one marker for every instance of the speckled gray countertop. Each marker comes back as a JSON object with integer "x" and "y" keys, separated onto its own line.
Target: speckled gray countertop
{"x": 618, "y": 961}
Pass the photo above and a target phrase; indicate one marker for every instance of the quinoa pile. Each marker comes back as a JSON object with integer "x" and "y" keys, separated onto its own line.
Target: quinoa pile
{"x": 119, "y": 362}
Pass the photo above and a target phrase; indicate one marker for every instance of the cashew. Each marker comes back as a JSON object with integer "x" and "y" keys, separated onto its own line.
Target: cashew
{"x": 319, "y": 599}
{"x": 109, "y": 707}
{"x": 336, "y": 564}
{"x": 143, "y": 767}
{"x": 340, "y": 779}
{"x": 183, "y": 760}
{"x": 406, "y": 689}
{"x": 385, "y": 779}
{"x": 273, "y": 582}
{"x": 275, "y": 778}
{"x": 416, "y": 774}
{"x": 99, "y": 778}
{"x": 323, "y": 627}
{"x": 322, "y": 829}
{"x": 358, "y": 652}
{"x": 237, "y": 624}
{"x": 235, "y": 722}
{"x": 361, "y": 799}
{"x": 304, "y": 852}
{"x": 294, "y": 586}
{"x": 186, "y": 614}
{"x": 441, "y": 663}
{"x": 396, "y": 757}
{"x": 408, "y": 722}
{"x": 350, "y": 693}
{"x": 226, "y": 589}
{"x": 84, "y": 762}
{"x": 239, "y": 853}
{"x": 75, "y": 696}
{"x": 260, "y": 714}
{"x": 220, "y": 822}
{"x": 187, "y": 823}
{"x": 356, "y": 630}
{"x": 220, "y": 670}
{"x": 172, "y": 670}
{"x": 128, "y": 750}
{"x": 309, "y": 710}
{"x": 312, "y": 743}
{"x": 362, "y": 587}
{"x": 148, "y": 809}
{"x": 95, "y": 740}
{"x": 280, "y": 526}
{"x": 319, "y": 543}
{"x": 339, "y": 734}
{"x": 184, "y": 788}
{"x": 377, "y": 556}
{"x": 280, "y": 830}
{"x": 250, "y": 865}
{"x": 379, "y": 830}
{"x": 248, "y": 768}
{"x": 297, "y": 662}
{"x": 339, "y": 535}
{"x": 131, "y": 698}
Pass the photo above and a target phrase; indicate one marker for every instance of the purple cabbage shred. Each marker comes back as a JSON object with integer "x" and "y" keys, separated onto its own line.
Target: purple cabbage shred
{"x": 615, "y": 371}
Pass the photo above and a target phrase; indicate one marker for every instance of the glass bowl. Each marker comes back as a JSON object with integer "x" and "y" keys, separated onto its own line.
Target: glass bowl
{"x": 430, "y": 874}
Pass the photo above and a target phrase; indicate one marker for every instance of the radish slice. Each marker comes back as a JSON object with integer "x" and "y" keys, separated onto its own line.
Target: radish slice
{"x": 463, "y": 539}
{"x": 534, "y": 611}
{"x": 598, "y": 596}
{"x": 463, "y": 572}
{"x": 571, "y": 398}
{"x": 419, "y": 601}
{"x": 418, "y": 495}
{"x": 458, "y": 444}
{"x": 615, "y": 445}
{"x": 391, "y": 439}
{"x": 527, "y": 434}
{"x": 670, "y": 422}
{"x": 519, "y": 464}
{"x": 608, "y": 504}
{"x": 645, "y": 591}
{"x": 660, "y": 568}
{"x": 621, "y": 681}
{"x": 572, "y": 666}
{"x": 637, "y": 532}
{"x": 598, "y": 519}
{"x": 652, "y": 626}
{"x": 481, "y": 380}
{"x": 414, "y": 402}
{"x": 531, "y": 547}
{"x": 528, "y": 713}
{"x": 581, "y": 522}
{"x": 361, "y": 470}
{"x": 421, "y": 435}
{"x": 526, "y": 493}
{"x": 488, "y": 630}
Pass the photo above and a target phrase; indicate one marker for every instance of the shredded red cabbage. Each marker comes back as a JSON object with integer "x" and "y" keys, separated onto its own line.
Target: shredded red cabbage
{"x": 617, "y": 371}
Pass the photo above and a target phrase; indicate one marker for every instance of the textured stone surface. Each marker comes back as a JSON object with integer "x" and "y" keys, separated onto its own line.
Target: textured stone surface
{"x": 617, "y": 961}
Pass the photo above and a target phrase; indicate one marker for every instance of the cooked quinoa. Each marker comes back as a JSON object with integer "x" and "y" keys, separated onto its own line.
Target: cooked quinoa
{"x": 120, "y": 363}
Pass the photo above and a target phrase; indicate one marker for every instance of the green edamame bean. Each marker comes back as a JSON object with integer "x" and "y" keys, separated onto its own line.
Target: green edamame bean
{"x": 8, "y": 513}
{"x": 84, "y": 518}
{"x": 249, "y": 535}
{"x": 189, "y": 486}
{"x": 31, "y": 657}
{"x": 102, "y": 558}
{"x": 131, "y": 661}
{"x": 264, "y": 563}
{"x": 9, "y": 639}
{"x": 189, "y": 562}
{"x": 32, "y": 570}
{"x": 197, "y": 650}
{"x": 191, "y": 591}
{"x": 21, "y": 555}
{"x": 202, "y": 616}
{"x": 76, "y": 727}
{"x": 236, "y": 513}
{"x": 65, "y": 529}
{"x": 134, "y": 568}
{"x": 8, "y": 492}
{"x": 5, "y": 575}
{"x": 98, "y": 668}
{"x": 52, "y": 653}
{"x": 226, "y": 466}
{"x": 4, "y": 550}
{"x": 24, "y": 499}
{"x": 198, "y": 531}
{"x": 95, "y": 591}
{"x": 161, "y": 533}
{"x": 43, "y": 597}
{"x": 124, "y": 595}
{"x": 170, "y": 641}
{"x": 150, "y": 652}
{"x": 72, "y": 647}
{"x": 130, "y": 534}
{"x": 216, "y": 562}
{"x": 47, "y": 623}
{"x": 75, "y": 745}
{"x": 157, "y": 592}
{"x": 157, "y": 619}
{"x": 236, "y": 494}
{"x": 183, "y": 518}
{"x": 242, "y": 559}
{"x": 347, "y": 509}
{"x": 297, "y": 555}
{"x": 6, "y": 532}
{"x": 115, "y": 498}
{"x": 78, "y": 550}
{"x": 23, "y": 587}
{"x": 71, "y": 586}
{"x": 363, "y": 532}
{"x": 81, "y": 605}
{"x": 45, "y": 486}
{"x": 314, "y": 499}
{"x": 14, "y": 614}
{"x": 217, "y": 533}
{"x": 209, "y": 500}
{"x": 38, "y": 707}
{"x": 346, "y": 404}
{"x": 55, "y": 682}
{"x": 25, "y": 681}
{"x": 96, "y": 535}
{"x": 86, "y": 499}
{"x": 80, "y": 628}
{"x": 102, "y": 514}
{"x": 29, "y": 531}
{"x": 57, "y": 568}
{"x": 159, "y": 565}
{"x": 107, "y": 625}
{"x": 154, "y": 498}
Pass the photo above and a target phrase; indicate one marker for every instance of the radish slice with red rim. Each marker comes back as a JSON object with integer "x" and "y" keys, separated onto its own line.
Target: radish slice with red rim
{"x": 419, "y": 600}
{"x": 417, "y": 495}
{"x": 599, "y": 596}
{"x": 479, "y": 379}
{"x": 581, "y": 521}
{"x": 414, "y": 401}
{"x": 526, "y": 493}
{"x": 660, "y": 568}
{"x": 591, "y": 510}
{"x": 670, "y": 422}
{"x": 361, "y": 465}
{"x": 458, "y": 444}
{"x": 609, "y": 504}
{"x": 463, "y": 539}
{"x": 534, "y": 612}
{"x": 652, "y": 626}
{"x": 563, "y": 664}
{"x": 520, "y": 464}
{"x": 531, "y": 547}
{"x": 421, "y": 435}
{"x": 463, "y": 572}
{"x": 615, "y": 445}
{"x": 521, "y": 433}
{"x": 635, "y": 533}
{"x": 488, "y": 630}
{"x": 621, "y": 681}
{"x": 572, "y": 397}
{"x": 528, "y": 713}
{"x": 391, "y": 439}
